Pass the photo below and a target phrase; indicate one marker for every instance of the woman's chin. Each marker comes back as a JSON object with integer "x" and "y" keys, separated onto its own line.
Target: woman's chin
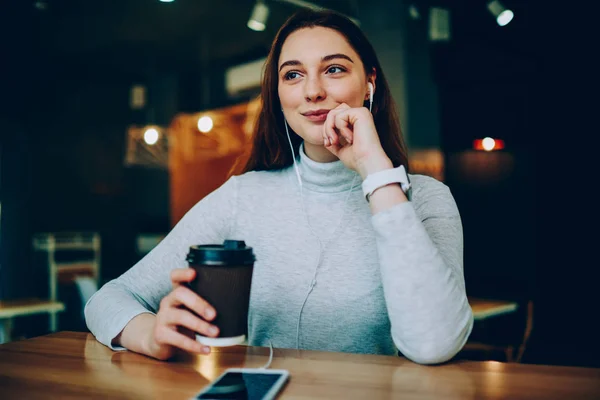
{"x": 315, "y": 142}
{"x": 313, "y": 138}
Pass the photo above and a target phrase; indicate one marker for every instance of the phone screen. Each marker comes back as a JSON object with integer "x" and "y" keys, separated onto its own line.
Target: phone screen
{"x": 240, "y": 386}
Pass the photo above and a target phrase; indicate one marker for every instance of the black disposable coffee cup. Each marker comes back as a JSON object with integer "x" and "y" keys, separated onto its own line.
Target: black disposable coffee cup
{"x": 223, "y": 279}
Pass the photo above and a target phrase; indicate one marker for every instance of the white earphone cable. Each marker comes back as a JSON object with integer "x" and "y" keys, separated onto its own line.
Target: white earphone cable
{"x": 322, "y": 246}
{"x": 268, "y": 364}
{"x": 293, "y": 153}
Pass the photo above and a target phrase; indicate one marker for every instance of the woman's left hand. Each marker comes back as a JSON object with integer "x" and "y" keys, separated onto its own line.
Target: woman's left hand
{"x": 350, "y": 134}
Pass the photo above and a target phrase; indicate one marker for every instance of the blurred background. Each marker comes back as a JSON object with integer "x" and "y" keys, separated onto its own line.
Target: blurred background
{"x": 117, "y": 116}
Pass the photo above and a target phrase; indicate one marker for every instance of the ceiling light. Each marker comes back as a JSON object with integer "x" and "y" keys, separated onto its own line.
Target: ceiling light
{"x": 205, "y": 124}
{"x": 166, "y": 1}
{"x": 41, "y": 5}
{"x": 488, "y": 144}
{"x": 502, "y": 14}
{"x": 151, "y": 136}
{"x": 439, "y": 24}
{"x": 258, "y": 19}
{"x": 413, "y": 11}
{"x": 137, "y": 97}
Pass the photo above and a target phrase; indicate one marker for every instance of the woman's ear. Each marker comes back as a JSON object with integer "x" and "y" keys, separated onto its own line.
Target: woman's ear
{"x": 371, "y": 78}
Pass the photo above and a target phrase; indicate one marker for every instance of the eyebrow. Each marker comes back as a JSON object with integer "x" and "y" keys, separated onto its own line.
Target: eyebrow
{"x": 326, "y": 58}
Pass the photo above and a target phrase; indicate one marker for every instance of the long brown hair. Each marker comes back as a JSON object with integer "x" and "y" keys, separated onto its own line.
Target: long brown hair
{"x": 270, "y": 147}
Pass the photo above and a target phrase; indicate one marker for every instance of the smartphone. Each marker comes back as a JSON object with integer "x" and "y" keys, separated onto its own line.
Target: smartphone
{"x": 245, "y": 384}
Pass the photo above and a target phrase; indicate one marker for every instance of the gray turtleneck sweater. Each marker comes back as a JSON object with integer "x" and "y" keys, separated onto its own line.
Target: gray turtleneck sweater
{"x": 384, "y": 283}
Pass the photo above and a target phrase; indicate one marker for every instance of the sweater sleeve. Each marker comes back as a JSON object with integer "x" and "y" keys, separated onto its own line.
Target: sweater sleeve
{"x": 421, "y": 260}
{"x": 141, "y": 288}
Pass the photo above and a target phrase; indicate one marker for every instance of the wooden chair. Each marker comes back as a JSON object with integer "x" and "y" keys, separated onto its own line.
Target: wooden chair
{"x": 22, "y": 307}
{"x": 86, "y": 264}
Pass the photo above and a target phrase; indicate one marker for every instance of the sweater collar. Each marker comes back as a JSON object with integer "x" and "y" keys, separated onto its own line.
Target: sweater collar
{"x": 331, "y": 177}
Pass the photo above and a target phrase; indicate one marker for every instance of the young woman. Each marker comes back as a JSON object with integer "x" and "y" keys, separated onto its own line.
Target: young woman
{"x": 353, "y": 254}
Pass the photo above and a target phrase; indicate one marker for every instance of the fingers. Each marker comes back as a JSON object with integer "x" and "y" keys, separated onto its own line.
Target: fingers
{"x": 181, "y": 275}
{"x": 181, "y": 317}
{"x": 329, "y": 134}
{"x": 337, "y": 128}
{"x": 167, "y": 336}
{"x": 330, "y": 130}
{"x": 342, "y": 124}
{"x": 183, "y": 296}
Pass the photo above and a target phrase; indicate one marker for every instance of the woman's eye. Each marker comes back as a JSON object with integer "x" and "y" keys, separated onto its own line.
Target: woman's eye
{"x": 290, "y": 75}
{"x": 333, "y": 70}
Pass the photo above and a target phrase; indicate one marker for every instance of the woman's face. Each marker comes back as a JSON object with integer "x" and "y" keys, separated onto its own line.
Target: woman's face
{"x": 318, "y": 70}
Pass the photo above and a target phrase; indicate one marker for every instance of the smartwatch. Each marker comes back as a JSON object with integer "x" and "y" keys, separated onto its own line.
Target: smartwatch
{"x": 383, "y": 178}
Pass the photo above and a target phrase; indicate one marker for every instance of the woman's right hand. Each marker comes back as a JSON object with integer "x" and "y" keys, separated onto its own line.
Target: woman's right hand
{"x": 176, "y": 325}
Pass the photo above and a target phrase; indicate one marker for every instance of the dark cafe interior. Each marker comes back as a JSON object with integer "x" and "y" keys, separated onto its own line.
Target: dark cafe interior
{"x": 117, "y": 117}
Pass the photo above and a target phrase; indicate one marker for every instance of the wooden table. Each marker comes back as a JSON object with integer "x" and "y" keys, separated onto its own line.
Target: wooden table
{"x": 74, "y": 365}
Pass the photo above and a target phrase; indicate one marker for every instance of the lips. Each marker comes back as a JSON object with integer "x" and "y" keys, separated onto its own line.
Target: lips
{"x": 316, "y": 115}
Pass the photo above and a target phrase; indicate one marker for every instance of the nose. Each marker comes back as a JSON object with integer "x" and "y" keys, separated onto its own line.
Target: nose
{"x": 313, "y": 90}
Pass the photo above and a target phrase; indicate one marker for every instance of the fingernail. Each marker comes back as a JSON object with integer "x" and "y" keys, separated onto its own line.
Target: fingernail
{"x": 325, "y": 142}
{"x": 206, "y": 350}
{"x": 213, "y": 330}
{"x": 210, "y": 313}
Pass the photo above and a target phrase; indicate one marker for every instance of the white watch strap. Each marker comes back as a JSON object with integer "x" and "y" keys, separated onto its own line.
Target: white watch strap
{"x": 383, "y": 178}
